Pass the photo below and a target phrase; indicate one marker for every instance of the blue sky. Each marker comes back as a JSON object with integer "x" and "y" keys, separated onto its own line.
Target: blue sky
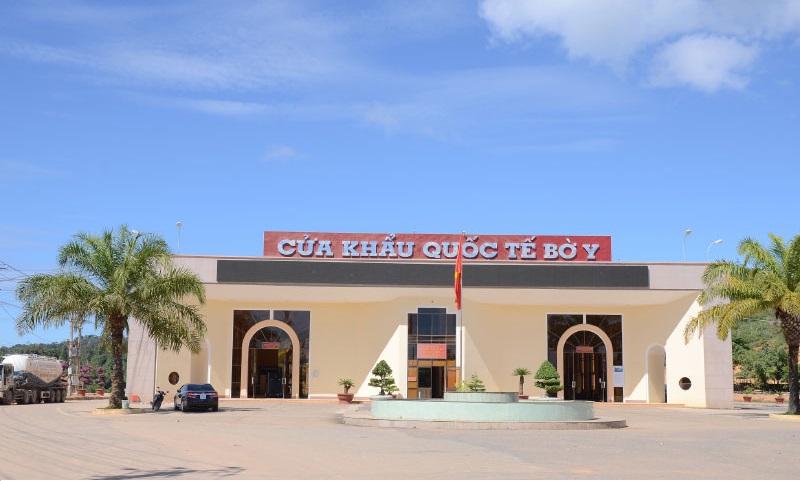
{"x": 629, "y": 118}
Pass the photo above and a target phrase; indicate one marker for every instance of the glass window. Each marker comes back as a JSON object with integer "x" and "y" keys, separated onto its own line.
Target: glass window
{"x": 424, "y": 377}
{"x": 612, "y": 326}
{"x": 451, "y": 324}
{"x": 557, "y": 325}
{"x": 424, "y": 324}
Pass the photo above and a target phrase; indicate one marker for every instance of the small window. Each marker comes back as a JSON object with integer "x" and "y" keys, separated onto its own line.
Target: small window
{"x": 174, "y": 378}
{"x": 685, "y": 383}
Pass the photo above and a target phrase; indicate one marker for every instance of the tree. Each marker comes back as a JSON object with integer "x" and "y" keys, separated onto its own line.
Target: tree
{"x": 383, "y": 379}
{"x": 475, "y": 384}
{"x": 760, "y": 355}
{"x": 547, "y": 378}
{"x": 109, "y": 278}
{"x": 521, "y": 372}
{"x": 767, "y": 279}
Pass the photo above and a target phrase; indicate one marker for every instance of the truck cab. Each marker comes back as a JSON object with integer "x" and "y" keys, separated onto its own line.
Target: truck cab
{"x": 6, "y": 381}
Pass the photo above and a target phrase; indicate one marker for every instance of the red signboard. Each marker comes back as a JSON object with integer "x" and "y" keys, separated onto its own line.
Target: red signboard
{"x": 431, "y": 351}
{"x": 436, "y": 247}
{"x": 584, "y": 349}
{"x": 270, "y": 345}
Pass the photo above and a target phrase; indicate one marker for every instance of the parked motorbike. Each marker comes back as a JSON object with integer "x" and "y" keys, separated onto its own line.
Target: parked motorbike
{"x": 158, "y": 398}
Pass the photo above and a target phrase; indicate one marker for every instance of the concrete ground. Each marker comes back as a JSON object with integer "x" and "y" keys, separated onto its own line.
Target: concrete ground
{"x": 302, "y": 440}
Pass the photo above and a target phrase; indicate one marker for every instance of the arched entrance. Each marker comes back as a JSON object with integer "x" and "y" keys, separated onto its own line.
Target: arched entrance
{"x": 271, "y": 367}
{"x": 586, "y": 364}
{"x": 656, "y": 374}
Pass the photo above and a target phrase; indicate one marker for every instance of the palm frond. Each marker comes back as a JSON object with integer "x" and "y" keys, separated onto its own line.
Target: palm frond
{"x": 756, "y": 255}
{"x": 110, "y": 276}
{"x": 725, "y": 316}
{"x": 792, "y": 262}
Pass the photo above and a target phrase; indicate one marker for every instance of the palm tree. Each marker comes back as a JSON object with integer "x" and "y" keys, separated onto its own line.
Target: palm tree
{"x": 521, "y": 372}
{"x": 112, "y": 277}
{"x": 767, "y": 279}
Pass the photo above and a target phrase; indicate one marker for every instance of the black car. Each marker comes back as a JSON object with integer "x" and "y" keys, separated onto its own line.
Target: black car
{"x": 196, "y": 396}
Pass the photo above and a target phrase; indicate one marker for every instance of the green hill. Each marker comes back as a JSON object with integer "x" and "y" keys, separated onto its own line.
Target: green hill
{"x": 92, "y": 353}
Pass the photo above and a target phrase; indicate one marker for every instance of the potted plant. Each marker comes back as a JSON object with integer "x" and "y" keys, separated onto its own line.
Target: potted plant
{"x": 86, "y": 377}
{"x": 521, "y": 372}
{"x": 101, "y": 381}
{"x": 779, "y": 398}
{"x": 747, "y": 394}
{"x": 345, "y": 398}
{"x": 383, "y": 379}
{"x": 548, "y": 379}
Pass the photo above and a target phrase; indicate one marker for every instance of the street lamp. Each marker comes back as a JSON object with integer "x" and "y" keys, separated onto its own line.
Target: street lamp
{"x": 688, "y": 231}
{"x": 179, "y": 224}
{"x": 718, "y": 241}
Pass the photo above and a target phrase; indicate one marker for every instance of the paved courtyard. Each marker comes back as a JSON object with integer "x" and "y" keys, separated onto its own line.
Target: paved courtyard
{"x": 300, "y": 440}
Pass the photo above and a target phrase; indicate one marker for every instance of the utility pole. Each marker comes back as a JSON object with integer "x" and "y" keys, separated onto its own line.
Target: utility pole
{"x": 76, "y": 324}
{"x": 71, "y": 366}
{"x": 80, "y": 338}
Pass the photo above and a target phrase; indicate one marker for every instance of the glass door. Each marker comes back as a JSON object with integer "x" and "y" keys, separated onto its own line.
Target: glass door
{"x": 585, "y": 368}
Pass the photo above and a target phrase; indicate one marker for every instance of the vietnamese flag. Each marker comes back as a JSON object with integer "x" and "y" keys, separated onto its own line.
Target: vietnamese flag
{"x": 459, "y": 272}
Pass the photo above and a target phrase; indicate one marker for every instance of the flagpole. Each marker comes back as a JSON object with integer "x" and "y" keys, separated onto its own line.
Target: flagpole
{"x": 461, "y": 321}
{"x": 459, "y": 299}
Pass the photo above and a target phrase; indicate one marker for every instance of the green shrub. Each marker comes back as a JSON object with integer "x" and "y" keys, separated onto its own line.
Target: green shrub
{"x": 547, "y": 378}
{"x": 383, "y": 379}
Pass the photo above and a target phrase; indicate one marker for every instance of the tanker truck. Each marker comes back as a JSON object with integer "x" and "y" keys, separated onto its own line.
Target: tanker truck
{"x": 30, "y": 378}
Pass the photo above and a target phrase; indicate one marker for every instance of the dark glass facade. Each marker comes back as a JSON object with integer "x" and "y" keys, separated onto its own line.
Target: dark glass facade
{"x": 585, "y": 354}
{"x": 271, "y": 355}
{"x": 432, "y": 366}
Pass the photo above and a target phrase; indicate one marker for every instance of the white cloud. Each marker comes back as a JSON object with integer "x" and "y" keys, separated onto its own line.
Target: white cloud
{"x": 10, "y": 169}
{"x": 280, "y": 152}
{"x": 702, "y": 61}
{"x": 220, "y": 107}
{"x": 194, "y": 46}
{"x": 623, "y": 34}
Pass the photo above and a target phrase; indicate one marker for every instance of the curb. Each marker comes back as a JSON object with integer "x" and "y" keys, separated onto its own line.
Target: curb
{"x": 597, "y": 423}
{"x": 784, "y": 416}
{"x": 113, "y": 412}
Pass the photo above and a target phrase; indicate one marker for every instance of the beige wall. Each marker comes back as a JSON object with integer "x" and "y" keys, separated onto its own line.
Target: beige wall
{"x": 347, "y": 340}
{"x": 352, "y": 328}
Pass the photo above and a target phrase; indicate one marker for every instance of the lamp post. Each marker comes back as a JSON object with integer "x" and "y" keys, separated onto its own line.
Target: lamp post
{"x": 718, "y": 241}
{"x": 179, "y": 224}
{"x": 688, "y": 231}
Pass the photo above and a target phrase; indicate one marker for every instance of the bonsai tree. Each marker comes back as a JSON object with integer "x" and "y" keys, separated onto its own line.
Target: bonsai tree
{"x": 346, "y": 384}
{"x": 101, "y": 378}
{"x": 383, "y": 379}
{"x": 475, "y": 384}
{"x": 521, "y": 372}
{"x": 86, "y": 376}
{"x": 548, "y": 379}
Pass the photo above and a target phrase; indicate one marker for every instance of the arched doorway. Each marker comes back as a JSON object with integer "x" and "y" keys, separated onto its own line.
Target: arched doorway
{"x": 269, "y": 367}
{"x": 656, "y": 374}
{"x": 586, "y": 364}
